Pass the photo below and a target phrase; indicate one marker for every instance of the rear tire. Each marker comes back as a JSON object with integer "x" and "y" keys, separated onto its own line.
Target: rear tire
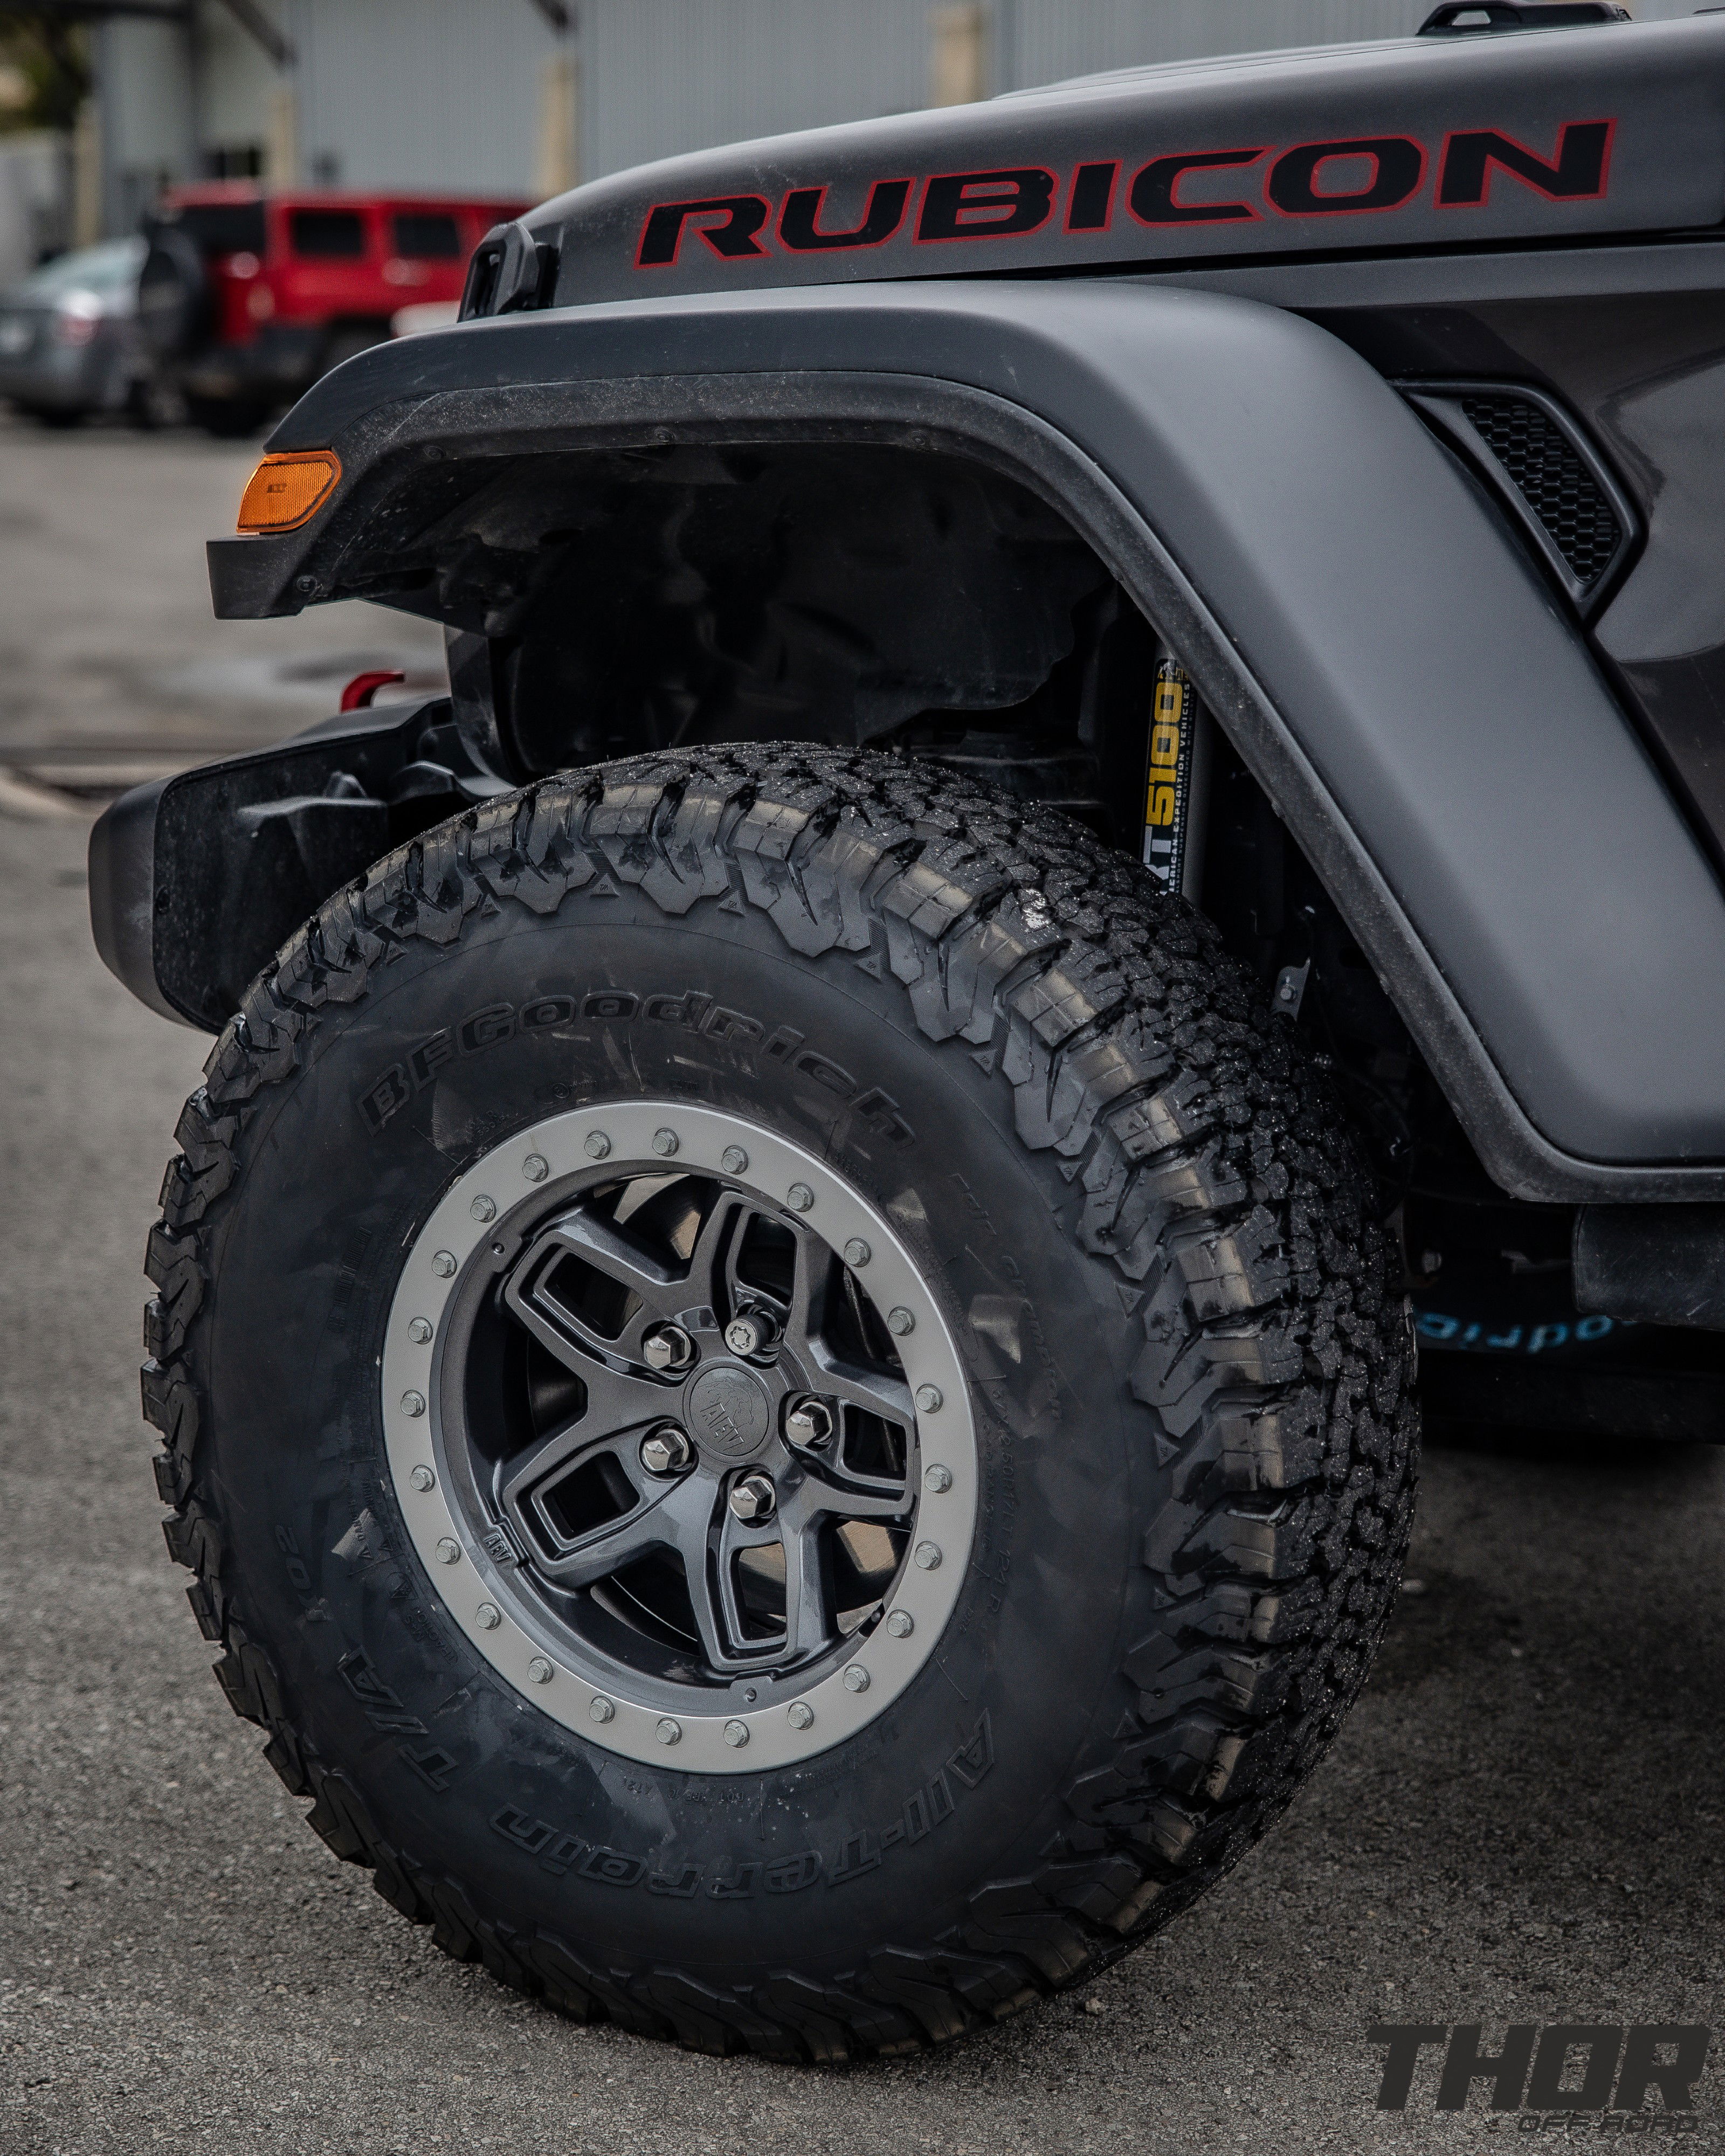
{"x": 1124, "y": 1191}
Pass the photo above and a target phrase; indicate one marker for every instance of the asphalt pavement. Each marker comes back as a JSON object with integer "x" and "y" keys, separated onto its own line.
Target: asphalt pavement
{"x": 1522, "y": 1822}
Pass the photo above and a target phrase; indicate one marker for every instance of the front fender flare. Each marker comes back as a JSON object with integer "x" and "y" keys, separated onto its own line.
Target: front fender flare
{"x": 1428, "y": 722}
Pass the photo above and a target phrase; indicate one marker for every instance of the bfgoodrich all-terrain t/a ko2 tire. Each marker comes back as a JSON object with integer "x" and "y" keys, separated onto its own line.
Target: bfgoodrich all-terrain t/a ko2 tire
{"x": 784, "y": 1395}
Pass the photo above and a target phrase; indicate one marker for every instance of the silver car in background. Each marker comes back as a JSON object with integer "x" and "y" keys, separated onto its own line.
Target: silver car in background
{"x": 69, "y": 336}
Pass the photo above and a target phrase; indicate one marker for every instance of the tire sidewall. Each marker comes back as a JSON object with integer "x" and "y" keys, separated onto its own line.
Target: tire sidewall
{"x": 959, "y": 1780}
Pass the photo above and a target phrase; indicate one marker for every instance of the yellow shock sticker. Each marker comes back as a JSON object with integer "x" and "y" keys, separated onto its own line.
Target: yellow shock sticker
{"x": 1167, "y": 784}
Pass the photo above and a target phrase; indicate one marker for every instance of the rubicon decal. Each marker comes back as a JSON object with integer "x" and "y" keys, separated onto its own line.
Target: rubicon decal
{"x": 1352, "y": 175}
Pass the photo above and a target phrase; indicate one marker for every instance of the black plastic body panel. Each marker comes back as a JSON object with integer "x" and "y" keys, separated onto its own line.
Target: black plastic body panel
{"x": 192, "y": 877}
{"x": 1387, "y": 661}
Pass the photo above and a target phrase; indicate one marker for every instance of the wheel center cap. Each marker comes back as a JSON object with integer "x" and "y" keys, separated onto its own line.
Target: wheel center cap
{"x": 730, "y": 1412}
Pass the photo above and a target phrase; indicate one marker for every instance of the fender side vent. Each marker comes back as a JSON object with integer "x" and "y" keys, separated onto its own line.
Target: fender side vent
{"x": 1547, "y": 475}
{"x": 1553, "y": 481}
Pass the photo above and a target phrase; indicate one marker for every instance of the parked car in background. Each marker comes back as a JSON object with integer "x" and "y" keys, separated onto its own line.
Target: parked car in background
{"x": 70, "y": 341}
{"x": 247, "y": 298}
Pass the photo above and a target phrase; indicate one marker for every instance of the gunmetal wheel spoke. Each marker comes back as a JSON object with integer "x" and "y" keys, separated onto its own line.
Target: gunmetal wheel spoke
{"x": 579, "y": 1559}
{"x": 877, "y": 1393}
{"x": 734, "y": 1537}
{"x": 809, "y": 1626}
{"x": 610, "y": 1548}
{"x": 694, "y": 1511}
{"x": 826, "y": 1493}
{"x": 660, "y": 1293}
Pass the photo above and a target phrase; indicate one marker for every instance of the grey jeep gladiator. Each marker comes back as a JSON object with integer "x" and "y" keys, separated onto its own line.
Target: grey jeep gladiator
{"x": 1083, "y": 790}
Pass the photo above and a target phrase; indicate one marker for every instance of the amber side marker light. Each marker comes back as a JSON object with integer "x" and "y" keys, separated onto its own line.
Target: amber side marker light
{"x": 289, "y": 489}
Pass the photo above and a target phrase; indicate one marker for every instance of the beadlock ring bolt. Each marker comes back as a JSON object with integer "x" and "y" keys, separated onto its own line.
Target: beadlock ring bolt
{"x": 899, "y": 1321}
{"x": 929, "y": 1398}
{"x": 487, "y": 1617}
{"x": 753, "y": 1499}
{"x": 856, "y": 1678}
{"x": 938, "y": 1479}
{"x": 670, "y": 1731}
{"x": 419, "y": 1330}
{"x": 808, "y": 1423}
{"x": 667, "y": 1347}
{"x": 421, "y": 1478}
{"x": 413, "y": 1403}
{"x": 734, "y": 1160}
{"x": 442, "y": 1264}
{"x": 449, "y": 1550}
{"x": 857, "y": 1253}
{"x": 601, "y": 1710}
{"x": 484, "y": 1207}
{"x": 800, "y": 1714}
{"x": 666, "y": 1451}
{"x": 536, "y": 1167}
{"x": 928, "y": 1557}
{"x": 900, "y": 1624}
{"x": 751, "y": 1334}
{"x": 736, "y": 1734}
{"x": 596, "y": 1145}
{"x": 801, "y": 1197}
{"x": 665, "y": 1143}
{"x": 539, "y": 1670}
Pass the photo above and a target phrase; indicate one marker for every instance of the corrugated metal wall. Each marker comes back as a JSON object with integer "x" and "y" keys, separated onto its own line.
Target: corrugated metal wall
{"x": 419, "y": 93}
{"x": 665, "y": 75}
{"x": 446, "y": 92}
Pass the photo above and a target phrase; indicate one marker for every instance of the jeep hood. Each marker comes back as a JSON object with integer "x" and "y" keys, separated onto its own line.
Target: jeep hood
{"x": 1410, "y": 143}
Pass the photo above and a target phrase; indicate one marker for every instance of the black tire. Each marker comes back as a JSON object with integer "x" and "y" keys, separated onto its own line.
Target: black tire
{"x": 1148, "y": 1225}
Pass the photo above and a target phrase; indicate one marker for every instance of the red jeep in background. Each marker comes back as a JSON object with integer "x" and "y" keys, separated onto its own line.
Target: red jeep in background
{"x": 246, "y": 298}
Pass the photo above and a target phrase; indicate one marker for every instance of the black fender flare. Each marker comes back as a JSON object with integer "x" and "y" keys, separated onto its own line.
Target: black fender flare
{"x": 1427, "y": 719}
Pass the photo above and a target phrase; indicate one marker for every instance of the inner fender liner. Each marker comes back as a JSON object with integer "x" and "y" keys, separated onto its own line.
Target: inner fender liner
{"x": 1390, "y": 665}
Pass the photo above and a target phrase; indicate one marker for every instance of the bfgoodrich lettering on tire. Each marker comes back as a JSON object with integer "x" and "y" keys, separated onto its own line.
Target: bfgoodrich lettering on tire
{"x": 784, "y": 1395}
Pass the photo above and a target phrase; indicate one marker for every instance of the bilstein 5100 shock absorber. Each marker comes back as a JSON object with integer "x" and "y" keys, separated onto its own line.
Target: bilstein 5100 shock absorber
{"x": 1175, "y": 781}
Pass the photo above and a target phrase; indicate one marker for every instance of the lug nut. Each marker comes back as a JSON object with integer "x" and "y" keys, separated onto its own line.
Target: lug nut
{"x": 751, "y": 1334}
{"x": 667, "y": 1347}
{"x": 753, "y": 1499}
{"x": 808, "y": 1423}
{"x": 666, "y": 1451}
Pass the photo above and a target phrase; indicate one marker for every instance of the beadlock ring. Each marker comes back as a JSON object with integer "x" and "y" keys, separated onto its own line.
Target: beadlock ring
{"x": 516, "y": 1636}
